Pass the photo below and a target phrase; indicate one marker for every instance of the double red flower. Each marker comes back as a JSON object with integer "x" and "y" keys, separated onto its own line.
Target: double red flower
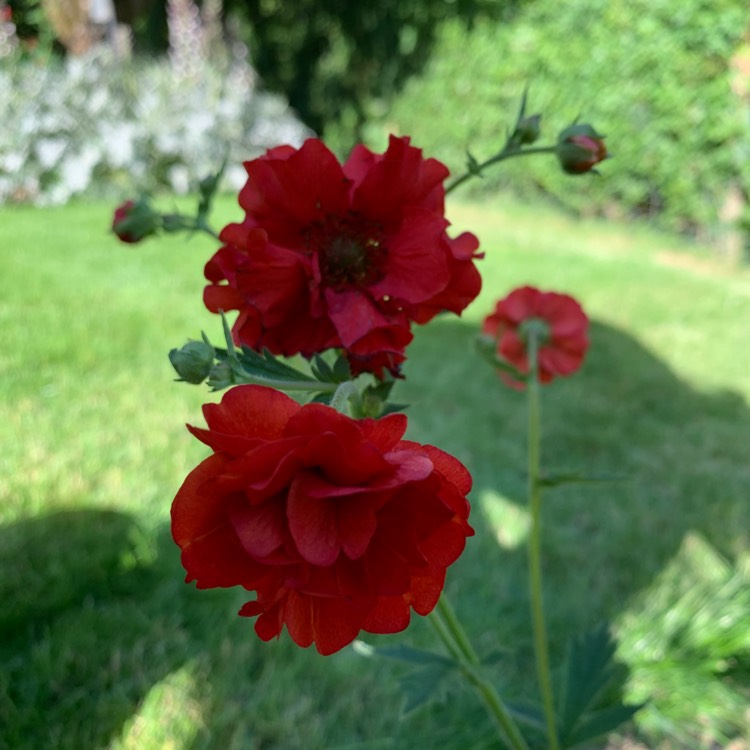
{"x": 341, "y": 256}
{"x": 560, "y": 319}
{"x": 337, "y": 524}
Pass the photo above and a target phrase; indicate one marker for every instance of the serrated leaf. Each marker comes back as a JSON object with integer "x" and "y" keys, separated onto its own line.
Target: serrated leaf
{"x": 602, "y": 722}
{"x": 321, "y": 398}
{"x": 341, "y": 370}
{"x": 421, "y": 685}
{"x": 380, "y": 390}
{"x": 412, "y": 655}
{"x": 530, "y": 716}
{"x": 266, "y": 365}
{"x": 588, "y": 669}
{"x": 322, "y": 370}
{"x": 590, "y": 697}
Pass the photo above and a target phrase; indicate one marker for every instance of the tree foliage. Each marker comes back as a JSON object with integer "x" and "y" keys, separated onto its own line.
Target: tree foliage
{"x": 339, "y": 61}
{"x": 655, "y": 77}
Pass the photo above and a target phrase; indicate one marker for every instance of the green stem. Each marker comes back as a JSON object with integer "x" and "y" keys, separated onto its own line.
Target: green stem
{"x": 458, "y": 634}
{"x": 535, "y": 547}
{"x": 201, "y": 224}
{"x": 309, "y": 386}
{"x": 172, "y": 223}
{"x": 506, "y": 153}
{"x": 449, "y": 630}
{"x": 345, "y": 398}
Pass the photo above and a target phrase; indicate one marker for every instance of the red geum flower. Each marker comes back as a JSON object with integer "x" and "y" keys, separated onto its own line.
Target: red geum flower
{"x": 558, "y": 318}
{"x": 341, "y": 256}
{"x": 337, "y": 524}
{"x": 135, "y": 220}
{"x": 580, "y": 148}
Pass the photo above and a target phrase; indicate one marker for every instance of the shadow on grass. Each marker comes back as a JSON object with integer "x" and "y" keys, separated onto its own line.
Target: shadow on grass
{"x": 682, "y": 453}
{"x": 102, "y": 644}
{"x": 97, "y": 615}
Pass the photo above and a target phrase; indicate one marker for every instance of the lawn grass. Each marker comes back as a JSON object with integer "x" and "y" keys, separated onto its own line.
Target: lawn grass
{"x": 102, "y": 645}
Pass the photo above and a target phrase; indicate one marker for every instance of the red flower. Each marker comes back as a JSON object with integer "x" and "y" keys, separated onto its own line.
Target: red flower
{"x": 337, "y": 524}
{"x": 134, "y": 221}
{"x": 341, "y": 256}
{"x": 580, "y": 148}
{"x": 564, "y": 340}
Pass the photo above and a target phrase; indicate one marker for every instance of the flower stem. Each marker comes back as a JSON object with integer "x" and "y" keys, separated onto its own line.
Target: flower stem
{"x": 534, "y": 547}
{"x": 449, "y": 630}
{"x": 345, "y": 398}
{"x": 506, "y": 153}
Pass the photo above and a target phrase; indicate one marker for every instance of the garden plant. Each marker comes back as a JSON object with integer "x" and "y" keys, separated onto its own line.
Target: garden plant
{"x": 322, "y": 509}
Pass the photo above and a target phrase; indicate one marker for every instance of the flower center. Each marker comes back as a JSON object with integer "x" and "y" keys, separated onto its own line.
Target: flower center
{"x": 350, "y": 251}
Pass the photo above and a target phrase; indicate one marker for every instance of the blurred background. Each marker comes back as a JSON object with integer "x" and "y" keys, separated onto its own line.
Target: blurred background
{"x": 105, "y": 95}
{"x": 102, "y": 645}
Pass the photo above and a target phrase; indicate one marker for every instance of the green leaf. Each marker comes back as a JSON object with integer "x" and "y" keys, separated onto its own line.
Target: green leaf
{"x": 411, "y": 655}
{"x": 602, "y": 722}
{"x": 266, "y": 365}
{"x": 322, "y": 370}
{"x": 341, "y": 370}
{"x": 472, "y": 165}
{"x": 421, "y": 685}
{"x": 530, "y": 716}
{"x": 590, "y": 695}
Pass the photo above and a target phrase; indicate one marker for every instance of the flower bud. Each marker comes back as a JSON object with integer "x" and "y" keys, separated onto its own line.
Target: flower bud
{"x": 221, "y": 376}
{"x": 135, "y": 220}
{"x": 527, "y": 130}
{"x": 580, "y": 148}
{"x": 193, "y": 362}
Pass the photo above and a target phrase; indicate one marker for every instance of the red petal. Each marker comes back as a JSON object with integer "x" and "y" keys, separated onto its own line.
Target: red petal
{"x": 416, "y": 267}
{"x": 384, "y": 432}
{"x": 313, "y": 523}
{"x": 391, "y": 614}
{"x": 260, "y": 528}
{"x": 399, "y": 178}
{"x": 251, "y": 411}
{"x": 353, "y": 314}
{"x": 451, "y": 468}
{"x": 286, "y": 195}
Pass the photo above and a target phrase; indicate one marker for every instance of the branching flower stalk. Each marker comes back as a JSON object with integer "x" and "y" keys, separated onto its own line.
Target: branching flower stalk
{"x": 449, "y": 630}
{"x": 535, "y": 545}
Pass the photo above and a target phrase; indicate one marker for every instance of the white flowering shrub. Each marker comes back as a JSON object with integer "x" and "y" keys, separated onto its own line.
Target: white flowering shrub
{"x": 103, "y": 126}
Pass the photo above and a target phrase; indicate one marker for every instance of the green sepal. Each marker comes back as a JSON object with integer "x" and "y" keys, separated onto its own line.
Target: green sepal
{"x": 322, "y": 370}
{"x": 341, "y": 369}
{"x": 340, "y": 372}
{"x": 265, "y": 365}
{"x": 473, "y": 167}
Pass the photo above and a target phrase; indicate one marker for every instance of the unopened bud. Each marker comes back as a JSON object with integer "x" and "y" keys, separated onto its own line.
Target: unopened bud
{"x": 528, "y": 130}
{"x": 193, "y": 362}
{"x": 580, "y": 148}
{"x": 135, "y": 220}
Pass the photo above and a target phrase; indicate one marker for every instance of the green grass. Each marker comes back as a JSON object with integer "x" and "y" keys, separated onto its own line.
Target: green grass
{"x": 102, "y": 645}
